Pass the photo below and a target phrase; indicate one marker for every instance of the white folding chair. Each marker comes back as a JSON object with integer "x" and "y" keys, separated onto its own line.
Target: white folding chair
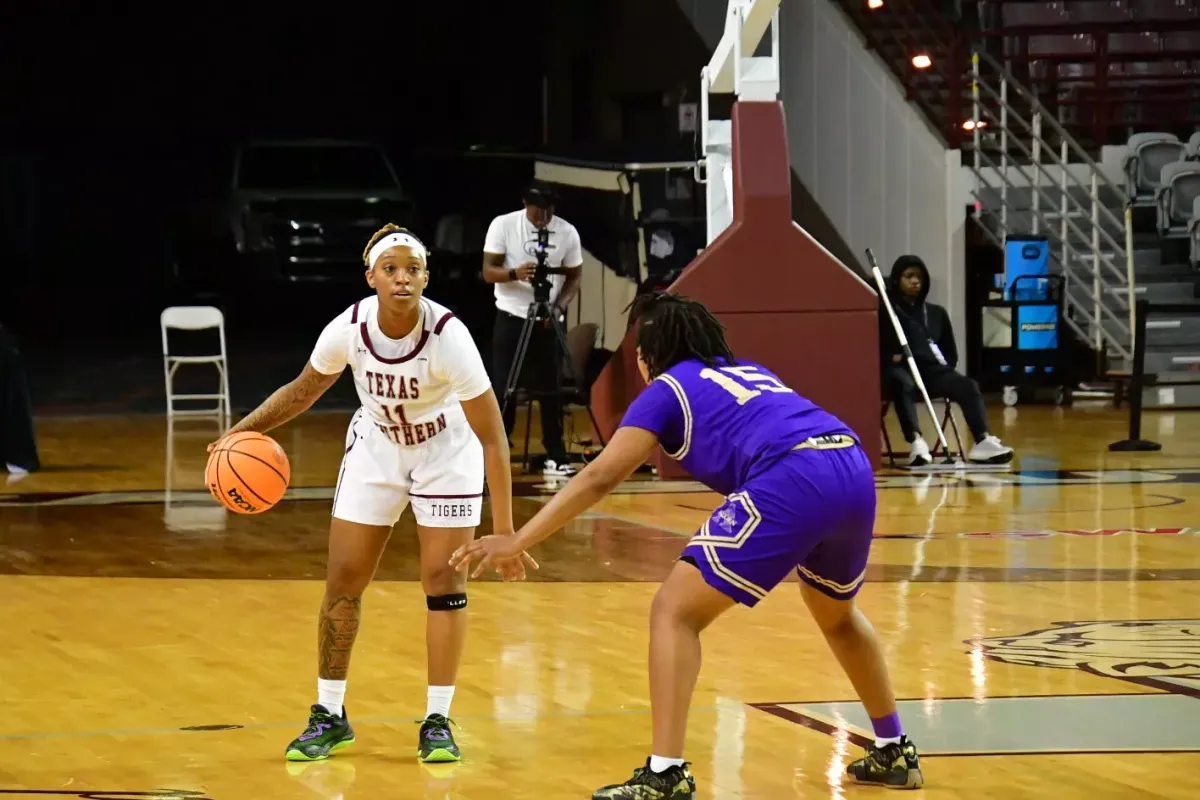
{"x": 196, "y": 511}
{"x": 195, "y": 318}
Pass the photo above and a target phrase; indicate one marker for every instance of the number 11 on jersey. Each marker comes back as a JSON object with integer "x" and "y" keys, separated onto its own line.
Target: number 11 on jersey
{"x": 398, "y": 410}
{"x": 752, "y": 384}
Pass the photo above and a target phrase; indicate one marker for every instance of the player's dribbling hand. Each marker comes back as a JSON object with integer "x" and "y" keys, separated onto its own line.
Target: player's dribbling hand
{"x": 499, "y": 552}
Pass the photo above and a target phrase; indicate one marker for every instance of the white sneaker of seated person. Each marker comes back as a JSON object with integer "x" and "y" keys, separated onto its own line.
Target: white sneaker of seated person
{"x": 556, "y": 469}
{"x": 920, "y": 456}
{"x": 990, "y": 450}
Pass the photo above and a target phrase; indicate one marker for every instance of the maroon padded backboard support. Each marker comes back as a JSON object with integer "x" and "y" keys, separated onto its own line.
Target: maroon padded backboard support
{"x": 784, "y": 301}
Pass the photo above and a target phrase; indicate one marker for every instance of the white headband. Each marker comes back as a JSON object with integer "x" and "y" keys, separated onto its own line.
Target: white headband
{"x": 397, "y": 240}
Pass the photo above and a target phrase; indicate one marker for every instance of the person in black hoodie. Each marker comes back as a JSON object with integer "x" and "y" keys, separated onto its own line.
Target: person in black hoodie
{"x": 931, "y": 339}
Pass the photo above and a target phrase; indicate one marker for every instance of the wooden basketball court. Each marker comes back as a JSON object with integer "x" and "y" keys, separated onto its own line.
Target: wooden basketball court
{"x": 1042, "y": 625}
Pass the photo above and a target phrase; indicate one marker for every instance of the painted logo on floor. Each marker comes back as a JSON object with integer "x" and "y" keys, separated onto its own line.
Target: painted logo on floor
{"x": 1163, "y": 653}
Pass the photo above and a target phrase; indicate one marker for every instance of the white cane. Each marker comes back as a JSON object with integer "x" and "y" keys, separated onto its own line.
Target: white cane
{"x": 908, "y": 356}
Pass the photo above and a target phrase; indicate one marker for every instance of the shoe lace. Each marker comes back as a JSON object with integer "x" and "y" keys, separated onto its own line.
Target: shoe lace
{"x": 657, "y": 779}
{"x": 882, "y": 758}
{"x": 437, "y": 728}
{"x": 318, "y": 723}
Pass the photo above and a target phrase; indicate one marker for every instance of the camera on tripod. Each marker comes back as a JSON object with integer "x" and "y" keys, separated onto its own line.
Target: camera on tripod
{"x": 541, "y": 275}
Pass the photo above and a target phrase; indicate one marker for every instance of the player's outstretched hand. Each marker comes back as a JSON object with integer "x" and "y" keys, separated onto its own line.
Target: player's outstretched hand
{"x": 498, "y": 552}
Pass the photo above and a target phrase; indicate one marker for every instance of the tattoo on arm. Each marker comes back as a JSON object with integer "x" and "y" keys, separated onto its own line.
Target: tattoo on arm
{"x": 336, "y": 631}
{"x": 287, "y": 401}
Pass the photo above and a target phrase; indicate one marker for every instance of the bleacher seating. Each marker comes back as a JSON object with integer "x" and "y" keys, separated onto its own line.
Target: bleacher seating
{"x": 1192, "y": 148}
{"x": 1105, "y": 68}
{"x": 1194, "y": 235}
{"x": 1178, "y": 190}
{"x": 1105, "y": 65}
{"x": 1145, "y": 156}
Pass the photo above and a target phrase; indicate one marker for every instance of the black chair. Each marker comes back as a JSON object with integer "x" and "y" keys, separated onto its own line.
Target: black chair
{"x": 949, "y": 427}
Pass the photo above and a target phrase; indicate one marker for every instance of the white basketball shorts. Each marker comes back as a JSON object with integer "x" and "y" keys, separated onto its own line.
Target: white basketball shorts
{"x": 442, "y": 478}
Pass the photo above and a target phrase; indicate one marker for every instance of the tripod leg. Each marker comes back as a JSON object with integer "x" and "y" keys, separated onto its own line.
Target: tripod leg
{"x": 514, "y": 377}
{"x": 514, "y": 371}
{"x": 561, "y": 333}
{"x": 528, "y": 431}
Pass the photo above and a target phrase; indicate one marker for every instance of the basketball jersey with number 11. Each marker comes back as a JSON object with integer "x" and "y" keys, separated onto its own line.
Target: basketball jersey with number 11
{"x": 410, "y": 388}
{"x": 723, "y": 423}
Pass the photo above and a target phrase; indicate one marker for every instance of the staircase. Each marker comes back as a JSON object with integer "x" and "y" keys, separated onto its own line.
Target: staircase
{"x": 1033, "y": 177}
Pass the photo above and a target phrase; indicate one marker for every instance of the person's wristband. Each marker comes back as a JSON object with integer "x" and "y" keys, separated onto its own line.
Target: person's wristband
{"x": 512, "y": 274}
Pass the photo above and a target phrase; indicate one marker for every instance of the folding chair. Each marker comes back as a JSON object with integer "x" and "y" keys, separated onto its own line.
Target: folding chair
{"x": 195, "y": 318}
{"x": 949, "y": 427}
{"x": 196, "y": 511}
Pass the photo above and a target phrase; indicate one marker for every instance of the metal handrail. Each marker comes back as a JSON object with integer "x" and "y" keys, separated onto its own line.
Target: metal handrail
{"x": 1103, "y": 286}
{"x": 1065, "y": 220}
{"x": 1037, "y": 188}
{"x": 1050, "y": 150}
{"x": 1060, "y": 224}
{"x": 1104, "y": 309}
{"x": 1072, "y": 143}
{"x": 1112, "y": 290}
{"x": 1066, "y": 267}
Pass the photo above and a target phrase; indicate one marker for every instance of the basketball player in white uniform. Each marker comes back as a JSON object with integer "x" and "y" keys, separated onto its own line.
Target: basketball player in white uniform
{"x": 428, "y": 431}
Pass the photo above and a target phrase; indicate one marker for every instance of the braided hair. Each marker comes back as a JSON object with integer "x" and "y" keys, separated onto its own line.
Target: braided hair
{"x": 391, "y": 227}
{"x": 673, "y": 328}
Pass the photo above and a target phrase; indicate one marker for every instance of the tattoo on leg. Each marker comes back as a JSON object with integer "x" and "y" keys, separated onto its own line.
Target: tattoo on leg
{"x": 336, "y": 630}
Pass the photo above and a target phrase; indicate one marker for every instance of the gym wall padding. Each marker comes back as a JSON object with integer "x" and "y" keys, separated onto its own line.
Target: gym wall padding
{"x": 784, "y": 300}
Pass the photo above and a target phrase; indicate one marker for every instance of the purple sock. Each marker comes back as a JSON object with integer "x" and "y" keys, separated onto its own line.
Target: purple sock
{"x": 887, "y": 727}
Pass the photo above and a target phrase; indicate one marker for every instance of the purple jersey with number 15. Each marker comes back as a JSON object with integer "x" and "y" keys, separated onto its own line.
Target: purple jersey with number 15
{"x": 725, "y": 424}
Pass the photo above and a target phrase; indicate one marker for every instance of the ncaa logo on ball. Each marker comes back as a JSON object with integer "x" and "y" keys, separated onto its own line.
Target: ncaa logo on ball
{"x": 233, "y": 498}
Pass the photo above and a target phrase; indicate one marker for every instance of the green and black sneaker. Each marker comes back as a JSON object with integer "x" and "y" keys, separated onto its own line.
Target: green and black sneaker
{"x": 896, "y": 766}
{"x": 436, "y": 743}
{"x": 324, "y": 735}
{"x": 649, "y": 785}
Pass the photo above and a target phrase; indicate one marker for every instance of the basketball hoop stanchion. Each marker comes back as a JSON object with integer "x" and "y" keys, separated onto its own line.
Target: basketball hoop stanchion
{"x": 908, "y": 356}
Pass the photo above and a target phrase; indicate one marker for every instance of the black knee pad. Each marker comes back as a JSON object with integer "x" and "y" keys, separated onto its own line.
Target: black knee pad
{"x": 446, "y": 602}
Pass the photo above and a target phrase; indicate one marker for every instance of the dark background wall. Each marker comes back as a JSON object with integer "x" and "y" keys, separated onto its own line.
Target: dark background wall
{"x": 117, "y": 138}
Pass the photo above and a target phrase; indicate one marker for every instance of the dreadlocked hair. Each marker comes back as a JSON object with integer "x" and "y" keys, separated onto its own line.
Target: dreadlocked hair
{"x": 391, "y": 227}
{"x": 673, "y": 328}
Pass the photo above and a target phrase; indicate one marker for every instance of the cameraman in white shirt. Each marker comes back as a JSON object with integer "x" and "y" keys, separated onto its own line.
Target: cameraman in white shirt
{"x": 509, "y": 262}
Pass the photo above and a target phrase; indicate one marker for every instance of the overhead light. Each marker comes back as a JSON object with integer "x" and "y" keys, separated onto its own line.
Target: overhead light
{"x": 874, "y": 4}
{"x": 969, "y": 125}
{"x": 922, "y": 61}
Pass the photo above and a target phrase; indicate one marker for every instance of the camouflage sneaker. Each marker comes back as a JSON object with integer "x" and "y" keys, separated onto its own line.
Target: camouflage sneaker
{"x": 896, "y": 766}
{"x": 649, "y": 785}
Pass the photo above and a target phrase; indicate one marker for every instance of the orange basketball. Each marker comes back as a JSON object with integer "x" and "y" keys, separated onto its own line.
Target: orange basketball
{"x": 247, "y": 472}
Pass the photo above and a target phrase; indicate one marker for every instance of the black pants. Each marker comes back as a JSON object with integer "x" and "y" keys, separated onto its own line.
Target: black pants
{"x": 540, "y": 375}
{"x": 942, "y": 382}
{"x": 17, "y": 444}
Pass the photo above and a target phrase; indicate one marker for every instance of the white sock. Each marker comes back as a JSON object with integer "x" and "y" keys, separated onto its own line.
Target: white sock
{"x": 331, "y": 694}
{"x": 885, "y": 742}
{"x": 437, "y": 700}
{"x": 660, "y": 764}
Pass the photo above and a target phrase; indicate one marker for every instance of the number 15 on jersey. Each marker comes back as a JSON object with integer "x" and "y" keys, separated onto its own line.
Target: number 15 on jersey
{"x": 744, "y": 383}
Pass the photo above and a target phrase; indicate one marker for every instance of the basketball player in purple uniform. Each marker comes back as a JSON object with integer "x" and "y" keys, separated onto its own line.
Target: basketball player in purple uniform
{"x": 799, "y": 494}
